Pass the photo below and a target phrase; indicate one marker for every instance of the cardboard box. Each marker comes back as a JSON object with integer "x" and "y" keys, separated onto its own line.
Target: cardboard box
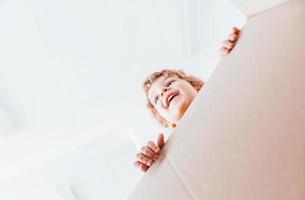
{"x": 243, "y": 137}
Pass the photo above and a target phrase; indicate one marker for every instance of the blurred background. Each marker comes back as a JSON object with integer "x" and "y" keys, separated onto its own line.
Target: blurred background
{"x": 72, "y": 110}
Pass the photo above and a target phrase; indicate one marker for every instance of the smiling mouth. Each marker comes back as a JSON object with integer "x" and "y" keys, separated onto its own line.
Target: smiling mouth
{"x": 171, "y": 97}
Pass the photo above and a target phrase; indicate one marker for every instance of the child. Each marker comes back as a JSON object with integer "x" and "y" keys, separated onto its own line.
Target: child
{"x": 169, "y": 93}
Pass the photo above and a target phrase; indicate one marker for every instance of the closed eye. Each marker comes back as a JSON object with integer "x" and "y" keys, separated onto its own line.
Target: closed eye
{"x": 170, "y": 82}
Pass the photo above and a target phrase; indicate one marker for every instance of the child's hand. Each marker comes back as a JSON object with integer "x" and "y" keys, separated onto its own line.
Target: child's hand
{"x": 230, "y": 43}
{"x": 149, "y": 153}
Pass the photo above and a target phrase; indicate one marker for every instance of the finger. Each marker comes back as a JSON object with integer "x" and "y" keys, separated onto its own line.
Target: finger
{"x": 160, "y": 140}
{"x": 149, "y": 153}
{"x": 235, "y": 30}
{"x": 224, "y": 51}
{"x": 153, "y": 147}
{"x": 143, "y": 159}
{"x": 141, "y": 166}
{"x": 232, "y": 37}
{"x": 227, "y": 44}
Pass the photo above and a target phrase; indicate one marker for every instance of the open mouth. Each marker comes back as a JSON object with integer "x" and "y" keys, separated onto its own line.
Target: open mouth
{"x": 170, "y": 97}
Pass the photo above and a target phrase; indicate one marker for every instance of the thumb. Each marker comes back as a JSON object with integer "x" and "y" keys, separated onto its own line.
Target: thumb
{"x": 160, "y": 140}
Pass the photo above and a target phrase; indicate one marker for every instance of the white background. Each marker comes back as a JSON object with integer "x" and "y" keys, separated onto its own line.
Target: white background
{"x": 72, "y": 110}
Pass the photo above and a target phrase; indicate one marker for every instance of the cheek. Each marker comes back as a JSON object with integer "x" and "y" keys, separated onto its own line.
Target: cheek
{"x": 189, "y": 90}
{"x": 186, "y": 90}
{"x": 167, "y": 114}
{"x": 162, "y": 111}
{"x": 159, "y": 109}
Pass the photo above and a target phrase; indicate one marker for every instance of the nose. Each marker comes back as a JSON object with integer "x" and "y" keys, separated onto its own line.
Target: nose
{"x": 165, "y": 89}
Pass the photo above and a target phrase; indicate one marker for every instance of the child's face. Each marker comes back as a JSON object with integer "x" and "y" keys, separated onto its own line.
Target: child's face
{"x": 171, "y": 96}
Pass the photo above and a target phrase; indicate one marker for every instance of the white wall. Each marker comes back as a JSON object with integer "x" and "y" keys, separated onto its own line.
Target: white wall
{"x": 71, "y": 74}
{"x": 100, "y": 170}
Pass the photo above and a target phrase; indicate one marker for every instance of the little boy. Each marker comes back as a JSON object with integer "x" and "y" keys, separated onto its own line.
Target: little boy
{"x": 169, "y": 93}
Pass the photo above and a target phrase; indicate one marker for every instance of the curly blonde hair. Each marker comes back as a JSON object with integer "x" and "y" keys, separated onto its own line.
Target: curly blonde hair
{"x": 194, "y": 81}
